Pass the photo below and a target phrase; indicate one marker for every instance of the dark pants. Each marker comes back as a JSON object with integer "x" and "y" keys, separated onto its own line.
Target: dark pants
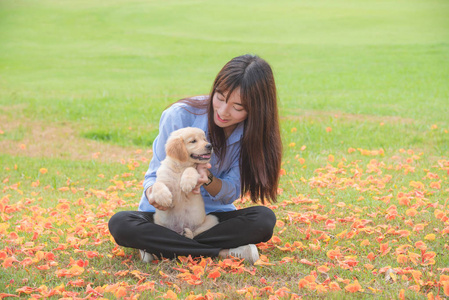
{"x": 136, "y": 229}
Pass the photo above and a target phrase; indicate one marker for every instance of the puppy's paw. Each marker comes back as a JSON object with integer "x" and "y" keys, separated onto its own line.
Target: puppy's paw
{"x": 189, "y": 180}
{"x": 188, "y": 233}
{"x": 161, "y": 194}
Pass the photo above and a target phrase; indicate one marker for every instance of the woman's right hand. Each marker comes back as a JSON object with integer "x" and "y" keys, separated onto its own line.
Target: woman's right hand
{"x": 150, "y": 198}
{"x": 202, "y": 170}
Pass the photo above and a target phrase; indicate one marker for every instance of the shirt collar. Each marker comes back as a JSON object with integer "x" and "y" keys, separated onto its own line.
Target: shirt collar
{"x": 237, "y": 134}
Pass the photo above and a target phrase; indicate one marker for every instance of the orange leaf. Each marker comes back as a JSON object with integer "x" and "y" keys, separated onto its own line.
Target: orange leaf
{"x": 78, "y": 282}
{"x": 170, "y": 295}
{"x": 417, "y": 185}
{"x": 411, "y": 212}
{"x": 120, "y": 292}
{"x": 323, "y": 269}
{"x": 353, "y": 287}
{"x": 404, "y": 201}
{"x": 310, "y": 278}
{"x": 260, "y": 262}
{"x": 214, "y": 275}
{"x": 384, "y": 249}
{"x": 402, "y": 294}
{"x": 9, "y": 261}
{"x": 5, "y": 295}
{"x": 49, "y": 256}
{"x": 43, "y": 267}
{"x": 446, "y": 288}
{"x": 421, "y": 245}
{"x": 276, "y": 240}
{"x": 403, "y": 233}
{"x": 430, "y": 237}
{"x": 334, "y": 286}
{"x": 334, "y": 253}
{"x": 91, "y": 254}
{"x": 26, "y": 261}
{"x": 435, "y": 185}
{"x": 302, "y": 283}
{"x": 306, "y": 262}
{"x": 280, "y": 224}
{"x": 444, "y": 278}
{"x": 365, "y": 243}
{"x": 26, "y": 290}
{"x": 402, "y": 259}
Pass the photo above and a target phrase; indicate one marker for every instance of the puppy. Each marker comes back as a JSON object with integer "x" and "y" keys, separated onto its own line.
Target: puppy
{"x": 177, "y": 177}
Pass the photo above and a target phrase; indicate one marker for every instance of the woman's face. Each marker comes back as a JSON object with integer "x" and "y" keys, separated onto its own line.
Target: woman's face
{"x": 228, "y": 115}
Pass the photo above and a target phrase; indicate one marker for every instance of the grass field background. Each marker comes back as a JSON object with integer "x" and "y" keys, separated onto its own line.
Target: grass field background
{"x": 364, "y": 101}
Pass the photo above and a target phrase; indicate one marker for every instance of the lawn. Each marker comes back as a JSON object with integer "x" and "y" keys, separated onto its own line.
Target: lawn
{"x": 363, "y": 88}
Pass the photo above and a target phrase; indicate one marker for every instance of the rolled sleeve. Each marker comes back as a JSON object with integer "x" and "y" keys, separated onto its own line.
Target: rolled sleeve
{"x": 230, "y": 187}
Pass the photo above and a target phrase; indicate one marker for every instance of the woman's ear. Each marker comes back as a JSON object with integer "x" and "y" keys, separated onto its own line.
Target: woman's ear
{"x": 175, "y": 148}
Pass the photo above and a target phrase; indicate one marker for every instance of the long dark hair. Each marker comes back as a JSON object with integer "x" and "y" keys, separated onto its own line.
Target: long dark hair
{"x": 261, "y": 145}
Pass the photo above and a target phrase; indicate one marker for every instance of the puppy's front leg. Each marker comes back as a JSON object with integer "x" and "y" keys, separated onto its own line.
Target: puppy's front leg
{"x": 189, "y": 179}
{"x": 161, "y": 194}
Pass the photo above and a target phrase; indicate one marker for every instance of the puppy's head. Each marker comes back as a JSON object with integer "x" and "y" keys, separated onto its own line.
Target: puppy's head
{"x": 189, "y": 145}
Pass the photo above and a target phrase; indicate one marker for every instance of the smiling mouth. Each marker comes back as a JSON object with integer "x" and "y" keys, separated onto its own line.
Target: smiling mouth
{"x": 220, "y": 119}
{"x": 205, "y": 156}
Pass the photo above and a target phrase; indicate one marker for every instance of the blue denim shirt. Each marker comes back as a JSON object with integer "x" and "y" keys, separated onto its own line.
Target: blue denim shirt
{"x": 182, "y": 115}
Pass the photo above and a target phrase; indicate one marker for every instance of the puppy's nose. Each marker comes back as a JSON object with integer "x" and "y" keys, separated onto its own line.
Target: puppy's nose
{"x": 209, "y": 146}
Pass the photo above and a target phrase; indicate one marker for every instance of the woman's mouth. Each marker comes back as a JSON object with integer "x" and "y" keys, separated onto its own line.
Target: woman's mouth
{"x": 220, "y": 119}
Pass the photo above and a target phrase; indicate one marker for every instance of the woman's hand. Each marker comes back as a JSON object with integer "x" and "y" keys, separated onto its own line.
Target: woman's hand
{"x": 150, "y": 198}
{"x": 202, "y": 170}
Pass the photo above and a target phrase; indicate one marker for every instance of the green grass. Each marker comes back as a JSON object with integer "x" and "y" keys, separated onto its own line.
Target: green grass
{"x": 376, "y": 73}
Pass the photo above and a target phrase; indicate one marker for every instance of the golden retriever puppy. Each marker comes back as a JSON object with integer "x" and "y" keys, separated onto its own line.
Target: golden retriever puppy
{"x": 176, "y": 179}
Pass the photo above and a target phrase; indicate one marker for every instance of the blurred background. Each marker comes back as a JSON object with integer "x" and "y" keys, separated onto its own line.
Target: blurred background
{"x": 107, "y": 69}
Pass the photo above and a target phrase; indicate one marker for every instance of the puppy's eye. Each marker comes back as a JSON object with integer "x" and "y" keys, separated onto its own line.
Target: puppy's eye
{"x": 193, "y": 141}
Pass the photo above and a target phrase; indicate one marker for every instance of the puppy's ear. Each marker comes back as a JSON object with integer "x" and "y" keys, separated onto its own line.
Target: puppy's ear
{"x": 175, "y": 148}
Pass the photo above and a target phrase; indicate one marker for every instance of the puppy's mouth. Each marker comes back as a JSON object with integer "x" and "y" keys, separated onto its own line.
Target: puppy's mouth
{"x": 205, "y": 156}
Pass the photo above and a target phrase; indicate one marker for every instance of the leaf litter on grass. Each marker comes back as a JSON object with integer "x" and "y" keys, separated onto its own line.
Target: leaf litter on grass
{"x": 371, "y": 223}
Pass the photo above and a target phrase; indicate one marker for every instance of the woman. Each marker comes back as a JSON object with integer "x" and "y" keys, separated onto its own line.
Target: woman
{"x": 240, "y": 118}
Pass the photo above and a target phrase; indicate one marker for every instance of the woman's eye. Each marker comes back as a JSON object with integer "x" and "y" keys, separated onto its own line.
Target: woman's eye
{"x": 238, "y": 109}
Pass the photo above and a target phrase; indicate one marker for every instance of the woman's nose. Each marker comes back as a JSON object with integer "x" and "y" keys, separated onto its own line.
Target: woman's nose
{"x": 225, "y": 110}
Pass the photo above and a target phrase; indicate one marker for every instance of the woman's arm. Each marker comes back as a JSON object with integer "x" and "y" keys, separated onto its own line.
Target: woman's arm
{"x": 208, "y": 180}
{"x": 215, "y": 186}
{"x": 225, "y": 185}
